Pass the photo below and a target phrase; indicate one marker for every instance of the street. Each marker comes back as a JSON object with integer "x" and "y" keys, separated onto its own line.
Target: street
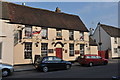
{"x": 77, "y": 71}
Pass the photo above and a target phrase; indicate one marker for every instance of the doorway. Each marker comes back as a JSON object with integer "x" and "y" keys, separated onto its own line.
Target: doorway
{"x": 59, "y": 52}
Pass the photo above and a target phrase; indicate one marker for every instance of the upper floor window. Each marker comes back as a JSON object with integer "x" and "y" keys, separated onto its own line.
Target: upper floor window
{"x": 28, "y": 31}
{"x": 115, "y": 50}
{"x": 44, "y": 33}
{"x": 59, "y": 34}
{"x": 115, "y": 40}
{"x": 17, "y": 36}
{"x": 82, "y": 36}
{"x": 71, "y": 35}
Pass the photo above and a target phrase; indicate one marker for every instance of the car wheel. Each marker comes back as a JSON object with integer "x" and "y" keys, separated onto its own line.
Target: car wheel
{"x": 45, "y": 69}
{"x": 90, "y": 64}
{"x": 68, "y": 66}
{"x": 5, "y": 72}
{"x": 105, "y": 63}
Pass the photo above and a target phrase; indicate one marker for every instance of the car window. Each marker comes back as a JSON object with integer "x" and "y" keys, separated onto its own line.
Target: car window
{"x": 93, "y": 57}
{"x": 57, "y": 59}
{"x": 88, "y": 57}
{"x": 98, "y": 57}
{"x": 50, "y": 58}
{"x": 45, "y": 59}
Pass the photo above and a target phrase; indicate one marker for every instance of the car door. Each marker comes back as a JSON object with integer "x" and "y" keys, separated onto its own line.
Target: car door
{"x": 49, "y": 62}
{"x": 59, "y": 63}
{"x": 100, "y": 61}
{"x": 94, "y": 60}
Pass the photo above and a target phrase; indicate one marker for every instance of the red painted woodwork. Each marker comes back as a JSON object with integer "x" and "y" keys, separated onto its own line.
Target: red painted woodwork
{"x": 59, "y": 52}
{"x": 101, "y": 53}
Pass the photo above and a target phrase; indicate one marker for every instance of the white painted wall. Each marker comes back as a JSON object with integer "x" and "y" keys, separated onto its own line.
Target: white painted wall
{"x": 7, "y": 42}
{"x": 105, "y": 39}
{"x": 113, "y": 45}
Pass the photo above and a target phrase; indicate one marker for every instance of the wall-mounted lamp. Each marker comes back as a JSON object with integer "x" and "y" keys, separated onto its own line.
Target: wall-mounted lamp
{"x": 65, "y": 43}
{"x": 86, "y": 45}
{"x": 22, "y": 42}
{"x": 77, "y": 44}
{"x": 53, "y": 43}
{"x": 20, "y": 27}
{"x": 36, "y": 44}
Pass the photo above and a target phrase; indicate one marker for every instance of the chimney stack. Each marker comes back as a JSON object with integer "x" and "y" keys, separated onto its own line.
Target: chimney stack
{"x": 91, "y": 31}
{"x": 23, "y": 4}
{"x": 57, "y": 10}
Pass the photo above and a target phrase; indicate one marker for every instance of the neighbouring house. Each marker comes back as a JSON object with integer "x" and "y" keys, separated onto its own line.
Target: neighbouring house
{"x": 108, "y": 39}
{"x": 93, "y": 46}
{"x": 30, "y": 32}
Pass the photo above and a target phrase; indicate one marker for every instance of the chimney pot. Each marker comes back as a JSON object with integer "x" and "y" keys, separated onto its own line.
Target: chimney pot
{"x": 23, "y": 4}
{"x": 57, "y": 10}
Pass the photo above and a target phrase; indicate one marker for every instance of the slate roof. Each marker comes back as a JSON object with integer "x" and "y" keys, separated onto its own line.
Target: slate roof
{"x": 92, "y": 42}
{"x": 39, "y": 17}
{"x": 112, "y": 31}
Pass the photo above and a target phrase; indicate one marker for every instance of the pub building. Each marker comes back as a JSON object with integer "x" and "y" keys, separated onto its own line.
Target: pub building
{"x": 28, "y": 32}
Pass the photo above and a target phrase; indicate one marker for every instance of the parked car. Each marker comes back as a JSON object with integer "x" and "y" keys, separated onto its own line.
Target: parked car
{"x": 51, "y": 62}
{"x": 6, "y": 69}
{"x": 91, "y": 60}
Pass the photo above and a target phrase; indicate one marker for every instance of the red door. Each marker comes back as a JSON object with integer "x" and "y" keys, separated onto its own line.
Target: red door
{"x": 59, "y": 52}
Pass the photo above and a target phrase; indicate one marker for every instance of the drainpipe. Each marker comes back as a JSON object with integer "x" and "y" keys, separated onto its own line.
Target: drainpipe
{"x": 100, "y": 43}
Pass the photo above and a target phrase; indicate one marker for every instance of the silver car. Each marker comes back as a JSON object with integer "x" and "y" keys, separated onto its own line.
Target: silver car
{"x": 6, "y": 69}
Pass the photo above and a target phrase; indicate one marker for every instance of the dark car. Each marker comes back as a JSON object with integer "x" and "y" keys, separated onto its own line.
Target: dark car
{"x": 51, "y": 62}
{"x": 91, "y": 60}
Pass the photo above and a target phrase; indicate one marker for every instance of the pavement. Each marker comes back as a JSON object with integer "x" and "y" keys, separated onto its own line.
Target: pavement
{"x": 31, "y": 67}
{"x": 23, "y": 68}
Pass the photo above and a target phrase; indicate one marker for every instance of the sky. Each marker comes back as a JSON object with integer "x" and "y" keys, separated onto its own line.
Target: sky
{"x": 89, "y": 12}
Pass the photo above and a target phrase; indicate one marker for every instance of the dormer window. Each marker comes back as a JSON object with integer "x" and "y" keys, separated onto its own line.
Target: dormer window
{"x": 81, "y": 36}
{"x": 58, "y": 34}
{"x": 71, "y": 35}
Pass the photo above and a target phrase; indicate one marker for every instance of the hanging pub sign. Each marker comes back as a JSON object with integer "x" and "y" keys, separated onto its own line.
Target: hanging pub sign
{"x": 77, "y": 51}
{"x": 36, "y": 32}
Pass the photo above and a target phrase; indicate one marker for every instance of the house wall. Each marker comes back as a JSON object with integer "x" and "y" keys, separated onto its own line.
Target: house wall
{"x": 6, "y": 37}
{"x": 118, "y": 41}
{"x": 15, "y": 52}
{"x": 113, "y": 45}
{"x": 94, "y": 50}
{"x": 105, "y": 39}
{"x": 107, "y": 42}
{"x": 119, "y": 48}
{"x": 51, "y": 38}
